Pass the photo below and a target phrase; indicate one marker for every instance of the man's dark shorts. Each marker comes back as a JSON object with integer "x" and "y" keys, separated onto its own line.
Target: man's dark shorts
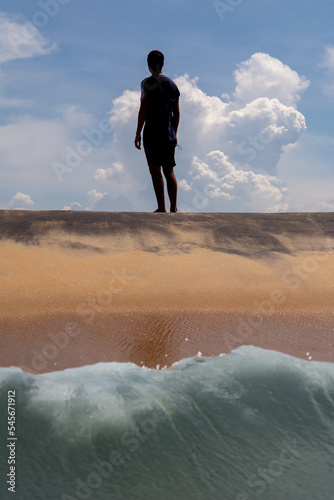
{"x": 160, "y": 153}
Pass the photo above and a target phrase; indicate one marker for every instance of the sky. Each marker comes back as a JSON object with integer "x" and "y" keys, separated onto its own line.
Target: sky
{"x": 256, "y": 103}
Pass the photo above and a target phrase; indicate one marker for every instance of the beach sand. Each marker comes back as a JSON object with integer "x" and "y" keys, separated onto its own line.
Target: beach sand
{"x": 82, "y": 287}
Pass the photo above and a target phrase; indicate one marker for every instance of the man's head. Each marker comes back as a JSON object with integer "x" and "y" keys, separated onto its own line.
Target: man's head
{"x": 155, "y": 61}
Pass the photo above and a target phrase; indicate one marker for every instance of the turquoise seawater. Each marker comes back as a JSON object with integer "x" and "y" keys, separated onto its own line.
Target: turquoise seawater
{"x": 253, "y": 424}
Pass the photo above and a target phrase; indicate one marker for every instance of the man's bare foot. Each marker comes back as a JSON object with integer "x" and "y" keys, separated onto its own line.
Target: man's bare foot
{"x": 159, "y": 210}
{"x": 173, "y": 211}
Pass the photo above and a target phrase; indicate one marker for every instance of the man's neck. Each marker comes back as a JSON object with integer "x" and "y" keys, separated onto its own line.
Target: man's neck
{"x": 154, "y": 73}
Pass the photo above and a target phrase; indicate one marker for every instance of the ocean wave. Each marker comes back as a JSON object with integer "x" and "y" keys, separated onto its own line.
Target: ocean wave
{"x": 247, "y": 425}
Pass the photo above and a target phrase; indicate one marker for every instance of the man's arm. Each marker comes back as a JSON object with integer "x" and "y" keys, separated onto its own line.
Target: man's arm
{"x": 176, "y": 118}
{"x": 141, "y": 120}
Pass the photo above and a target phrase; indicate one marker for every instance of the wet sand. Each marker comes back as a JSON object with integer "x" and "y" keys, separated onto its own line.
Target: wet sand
{"x": 82, "y": 287}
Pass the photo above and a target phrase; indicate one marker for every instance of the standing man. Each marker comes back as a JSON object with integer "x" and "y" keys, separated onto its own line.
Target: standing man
{"x": 159, "y": 110}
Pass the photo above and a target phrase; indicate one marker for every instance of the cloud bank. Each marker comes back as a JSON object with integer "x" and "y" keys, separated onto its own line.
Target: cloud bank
{"x": 216, "y": 180}
{"x": 231, "y": 146}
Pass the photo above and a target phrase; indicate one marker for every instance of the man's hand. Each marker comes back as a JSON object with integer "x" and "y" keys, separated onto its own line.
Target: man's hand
{"x": 176, "y": 119}
{"x": 142, "y": 113}
{"x": 138, "y": 141}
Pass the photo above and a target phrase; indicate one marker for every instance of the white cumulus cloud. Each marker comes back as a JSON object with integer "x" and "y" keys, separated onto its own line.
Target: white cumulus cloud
{"x": 183, "y": 184}
{"x": 217, "y": 185}
{"x": 73, "y": 206}
{"x": 93, "y": 197}
{"x": 266, "y": 76}
{"x": 21, "y": 201}
{"x": 116, "y": 171}
{"x": 107, "y": 202}
{"x": 20, "y": 40}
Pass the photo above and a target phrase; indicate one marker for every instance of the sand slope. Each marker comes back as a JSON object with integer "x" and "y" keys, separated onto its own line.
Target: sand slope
{"x": 56, "y": 260}
{"x": 90, "y": 266}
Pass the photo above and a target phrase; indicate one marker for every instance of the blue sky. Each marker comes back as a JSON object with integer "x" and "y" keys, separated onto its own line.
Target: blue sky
{"x": 256, "y": 82}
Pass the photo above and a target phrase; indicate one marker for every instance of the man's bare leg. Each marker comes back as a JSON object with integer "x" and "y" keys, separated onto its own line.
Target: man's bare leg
{"x": 171, "y": 187}
{"x": 158, "y": 184}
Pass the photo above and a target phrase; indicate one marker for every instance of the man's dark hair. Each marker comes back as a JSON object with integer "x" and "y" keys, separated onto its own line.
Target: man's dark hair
{"x": 155, "y": 60}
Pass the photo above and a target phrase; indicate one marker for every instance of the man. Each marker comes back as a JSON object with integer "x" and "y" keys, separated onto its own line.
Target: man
{"x": 159, "y": 110}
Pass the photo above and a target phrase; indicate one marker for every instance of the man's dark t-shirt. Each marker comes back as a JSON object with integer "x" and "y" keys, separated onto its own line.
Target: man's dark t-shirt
{"x": 161, "y": 94}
